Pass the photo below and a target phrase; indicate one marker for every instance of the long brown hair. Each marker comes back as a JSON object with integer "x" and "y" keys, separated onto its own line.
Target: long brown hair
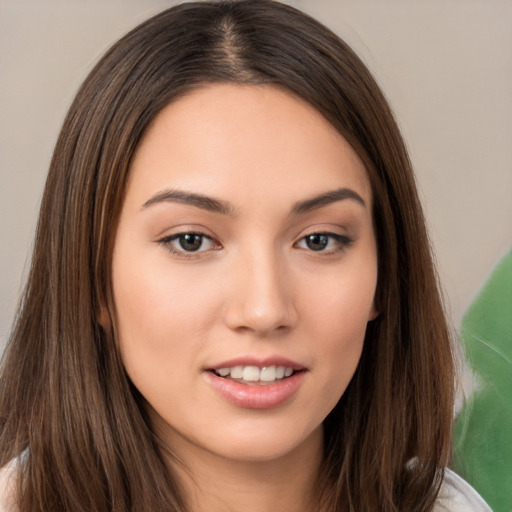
{"x": 67, "y": 409}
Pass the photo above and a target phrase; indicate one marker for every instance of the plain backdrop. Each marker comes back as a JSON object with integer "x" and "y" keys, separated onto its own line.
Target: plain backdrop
{"x": 445, "y": 66}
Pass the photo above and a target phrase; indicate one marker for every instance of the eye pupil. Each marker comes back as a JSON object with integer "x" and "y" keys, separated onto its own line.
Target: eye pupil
{"x": 191, "y": 242}
{"x": 317, "y": 242}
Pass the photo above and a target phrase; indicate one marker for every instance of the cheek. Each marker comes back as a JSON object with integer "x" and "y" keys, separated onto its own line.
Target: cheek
{"x": 338, "y": 313}
{"x": 160, "y": 297}
{"x": 340, "y": 307}
{"x": 160, "y": 318}
{"x": 341, "y": 343}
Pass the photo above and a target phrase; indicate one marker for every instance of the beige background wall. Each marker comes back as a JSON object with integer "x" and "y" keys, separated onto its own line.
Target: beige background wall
{"x": 446, "y": 67}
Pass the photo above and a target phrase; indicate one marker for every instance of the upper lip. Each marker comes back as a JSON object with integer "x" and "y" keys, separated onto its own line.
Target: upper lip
{"x": 261, "y": 362}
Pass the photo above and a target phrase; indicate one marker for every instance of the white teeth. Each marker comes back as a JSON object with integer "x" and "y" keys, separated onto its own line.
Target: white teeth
{"x": 268, "y": 374}
{"x": 255, "y": 373}
{"x": 251, "y": 373}
{"x": 237, "y": 372}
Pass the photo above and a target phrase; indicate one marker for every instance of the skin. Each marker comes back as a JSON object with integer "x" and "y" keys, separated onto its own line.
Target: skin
{"x": 255, "y": 288}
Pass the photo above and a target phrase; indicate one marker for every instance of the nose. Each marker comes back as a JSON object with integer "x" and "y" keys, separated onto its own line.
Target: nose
{"x": 261, "y": 298}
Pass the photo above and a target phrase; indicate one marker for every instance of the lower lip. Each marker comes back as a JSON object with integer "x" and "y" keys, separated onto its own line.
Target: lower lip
{"x": 266, "y": 396}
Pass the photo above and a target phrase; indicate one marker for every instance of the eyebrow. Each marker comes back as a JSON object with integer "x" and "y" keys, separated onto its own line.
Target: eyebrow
{"x": 325, "y": 199}
{"x": 199, "y": 200}
{"x": 223, "y": 207}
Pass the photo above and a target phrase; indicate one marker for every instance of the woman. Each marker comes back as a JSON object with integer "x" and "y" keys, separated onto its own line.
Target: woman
{"x": 232, "y": 302}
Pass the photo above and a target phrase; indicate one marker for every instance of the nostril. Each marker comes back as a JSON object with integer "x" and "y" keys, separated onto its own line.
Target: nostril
{"x": 260, "y": 301}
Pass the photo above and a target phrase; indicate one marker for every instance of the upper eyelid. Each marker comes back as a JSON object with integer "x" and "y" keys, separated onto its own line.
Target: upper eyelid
{"x": 335, "y": 236}
{"x": 175, "y": 236}
{"x": 185, "y": 229}
{"x": 327, "y": 231}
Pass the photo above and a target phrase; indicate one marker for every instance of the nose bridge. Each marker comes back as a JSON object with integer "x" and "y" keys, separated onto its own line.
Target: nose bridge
{"x": 261, "y": 300}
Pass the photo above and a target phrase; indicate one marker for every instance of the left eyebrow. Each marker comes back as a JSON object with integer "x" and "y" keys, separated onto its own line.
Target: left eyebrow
{"x": 325, "y": 199}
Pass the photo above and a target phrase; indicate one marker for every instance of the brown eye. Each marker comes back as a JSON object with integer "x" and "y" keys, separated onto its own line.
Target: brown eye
{"x": 327, "y": 243}
{"x": 190, "y": 242}
{"x": 317, "y": 242}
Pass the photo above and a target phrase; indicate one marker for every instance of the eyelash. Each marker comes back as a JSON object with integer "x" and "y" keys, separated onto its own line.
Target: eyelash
{"x": 167, "y": 242}
{"x": 342, "y": 243}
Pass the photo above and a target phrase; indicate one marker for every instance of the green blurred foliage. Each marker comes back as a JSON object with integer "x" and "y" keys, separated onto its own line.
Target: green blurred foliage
{"x": 483, "y": 430}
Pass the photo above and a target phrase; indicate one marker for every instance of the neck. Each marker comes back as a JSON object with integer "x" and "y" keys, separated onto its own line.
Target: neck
{"x": 212, "y": 483}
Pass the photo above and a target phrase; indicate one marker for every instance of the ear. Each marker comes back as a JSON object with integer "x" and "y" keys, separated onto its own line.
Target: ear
{"x": 374, "y": 313}
{"x": 104, "y": 318}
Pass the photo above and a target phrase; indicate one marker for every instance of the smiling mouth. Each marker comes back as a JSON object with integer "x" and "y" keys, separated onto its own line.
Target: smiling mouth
{"x": 255, "y": 375}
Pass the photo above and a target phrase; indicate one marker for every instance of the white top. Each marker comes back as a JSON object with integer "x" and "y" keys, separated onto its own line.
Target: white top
{"x": 455, "y": 495}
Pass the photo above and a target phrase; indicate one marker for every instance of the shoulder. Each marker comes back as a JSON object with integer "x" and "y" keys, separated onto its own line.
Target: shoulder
{"x": 8, "y": 486}
{"x": 456, "y": 495}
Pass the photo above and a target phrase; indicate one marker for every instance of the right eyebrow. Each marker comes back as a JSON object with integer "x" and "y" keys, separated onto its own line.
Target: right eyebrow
{"x": 198, "y": 200}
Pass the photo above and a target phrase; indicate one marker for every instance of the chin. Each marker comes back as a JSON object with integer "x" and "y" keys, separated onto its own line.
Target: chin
{"x": 267, "y": 445}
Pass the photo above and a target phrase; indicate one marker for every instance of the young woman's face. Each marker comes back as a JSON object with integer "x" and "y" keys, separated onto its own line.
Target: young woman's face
{"x": 244, "y": 271}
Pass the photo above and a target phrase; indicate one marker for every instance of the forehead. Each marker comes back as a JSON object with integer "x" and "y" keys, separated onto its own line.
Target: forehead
{"x": 251, "y": 139}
